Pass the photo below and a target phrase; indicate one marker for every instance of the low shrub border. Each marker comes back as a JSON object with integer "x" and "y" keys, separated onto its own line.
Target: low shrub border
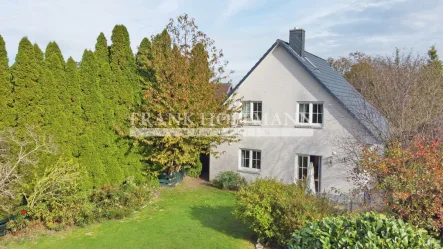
{"x": 367, "y": 230}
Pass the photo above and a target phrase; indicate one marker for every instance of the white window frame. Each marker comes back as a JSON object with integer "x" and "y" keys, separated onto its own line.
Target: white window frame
{"x": 250, "y": 118}
{"x": 297, "y": 167}
{"x": 249, "y": 168}
{"x": 311, "y": 114}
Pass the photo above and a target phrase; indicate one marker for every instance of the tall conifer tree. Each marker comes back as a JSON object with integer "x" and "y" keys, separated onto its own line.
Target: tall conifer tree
{"x": 57, "y": 105}
{"x": 7, "y": 113}
{"x": 92, "y": 140}
{"x": 109, "y": 155}
{"x": 74, "y": 100}
{"x": 122, "y": 61}
{"x": 144, "y": 54}
{"x": 27, "y": 92}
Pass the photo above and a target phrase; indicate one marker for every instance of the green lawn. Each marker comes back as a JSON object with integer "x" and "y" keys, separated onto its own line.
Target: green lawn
{"x": 190, "y": 215}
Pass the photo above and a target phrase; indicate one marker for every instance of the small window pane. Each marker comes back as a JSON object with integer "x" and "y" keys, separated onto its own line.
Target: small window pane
{"x": 245, "y": 158}
{"x": 246, "y": 110}
{"x": 303, "y": 113}
{"x": 302, "y": 167}
{"x": 257, "y": 111}
{"x": 305, "y": 173}
{"x": 317, "y": 113}
{"x": 256, "y": 158}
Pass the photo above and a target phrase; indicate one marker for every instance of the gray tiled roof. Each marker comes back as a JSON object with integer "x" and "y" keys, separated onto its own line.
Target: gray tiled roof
{"x": 338, "y": 87}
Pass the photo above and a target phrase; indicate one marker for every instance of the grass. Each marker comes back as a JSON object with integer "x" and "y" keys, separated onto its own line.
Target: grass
{"x": 191, "y": 215}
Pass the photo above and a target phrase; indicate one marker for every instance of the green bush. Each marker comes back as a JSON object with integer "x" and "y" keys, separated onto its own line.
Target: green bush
{"x": 369, "y": 230}
{"x": 18, "y": 222}
{"x": 229, "y": 180}
{"x": 195, "y": 170}
{"x": 118, "y": 201}
{"x": 56, "y": 197}
{"x": 273, "y": 210}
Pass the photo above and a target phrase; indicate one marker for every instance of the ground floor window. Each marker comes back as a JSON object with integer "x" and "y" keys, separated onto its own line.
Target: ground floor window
{"x": 250, "y": 159}
{"x": 302, "y": 165}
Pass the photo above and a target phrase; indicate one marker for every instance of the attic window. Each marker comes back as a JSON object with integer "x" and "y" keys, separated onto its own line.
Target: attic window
{"x": 310, "y": 113}
{"x": 251, "y": 111}
{"x": 311, "y": 63}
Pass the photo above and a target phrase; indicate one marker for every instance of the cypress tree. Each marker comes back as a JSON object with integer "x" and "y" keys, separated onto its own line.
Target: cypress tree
{"x": 125, "y": 77}
{"x": 109, "y": 155}
{"x": 123, "y": 65}
{"x": 27, "y": 93}
{"x": 57, "y": 104}
{"x": 91, "y": 141}
{"x": 144, "y": 55}
{"x": 101, "y": 49}
{"x": 7, "y": 117}
{"x": 74, "y": 100}
{"x": 40, "y": 57}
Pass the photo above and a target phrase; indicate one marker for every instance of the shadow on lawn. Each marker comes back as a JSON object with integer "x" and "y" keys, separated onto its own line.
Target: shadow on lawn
{"x": 220, "y": 218}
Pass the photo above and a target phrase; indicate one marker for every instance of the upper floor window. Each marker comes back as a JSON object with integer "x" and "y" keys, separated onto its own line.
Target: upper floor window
{"x": 251, "y": 111}
{"x": 317, "y": 113}
{"x": 310, "y": 113}
{"x": 250, "y": 159}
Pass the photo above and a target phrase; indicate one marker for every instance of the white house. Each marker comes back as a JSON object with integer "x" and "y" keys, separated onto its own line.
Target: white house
{"x": 296, "y": 109}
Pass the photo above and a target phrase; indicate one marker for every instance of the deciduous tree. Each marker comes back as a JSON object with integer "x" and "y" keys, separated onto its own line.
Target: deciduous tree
{"x": 187, "y": 73}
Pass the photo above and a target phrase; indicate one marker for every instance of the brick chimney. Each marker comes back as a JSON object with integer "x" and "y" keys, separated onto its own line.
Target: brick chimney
{"x": 297, "y": 41}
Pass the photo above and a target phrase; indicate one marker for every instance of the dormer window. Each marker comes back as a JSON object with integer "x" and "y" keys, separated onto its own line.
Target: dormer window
{"x": 310, "y": 113}
{"x": 251, "y": 111}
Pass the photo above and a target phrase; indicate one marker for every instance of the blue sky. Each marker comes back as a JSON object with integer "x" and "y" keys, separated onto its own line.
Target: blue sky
{"x": 244, "y": 29}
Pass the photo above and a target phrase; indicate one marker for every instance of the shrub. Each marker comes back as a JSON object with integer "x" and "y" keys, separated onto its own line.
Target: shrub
{"x": 274, "y": 210}
{"x": 229, "y": 180}
{"x": 411, "y": 179}
{"x": 56, "y": 198}
{"x": 369, "y": 230}
{"x": 18, "y": 222}
{"x": 118, "y": 201}
{"x": 195, "y": 170}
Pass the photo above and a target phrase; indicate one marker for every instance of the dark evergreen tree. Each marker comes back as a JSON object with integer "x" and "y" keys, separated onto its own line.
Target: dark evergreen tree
{"x": 27, "y": 92}
{"x": 434, "y": 59}
{"x": 144, "y": 54}
{"x": 74, "y": 99}
{"x": 123, "y": 66}
{"x": 40, "y": 57}
{"x": 7, "y": 112}
{"x": 91, "y": 141}
{"x": 124, "y": 74}
{"x": 110, "y": 153}
{"x": 57, "y": 106}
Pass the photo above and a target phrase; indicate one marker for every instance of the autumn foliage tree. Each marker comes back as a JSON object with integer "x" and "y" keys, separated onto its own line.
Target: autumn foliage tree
{"x": 410, "y": 180}
{"x": 405, "y": 88}
{"x": 187, "y": 70}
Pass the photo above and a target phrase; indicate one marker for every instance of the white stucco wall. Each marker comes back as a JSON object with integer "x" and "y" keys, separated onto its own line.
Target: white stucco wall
{"x": 280, "y": 82}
